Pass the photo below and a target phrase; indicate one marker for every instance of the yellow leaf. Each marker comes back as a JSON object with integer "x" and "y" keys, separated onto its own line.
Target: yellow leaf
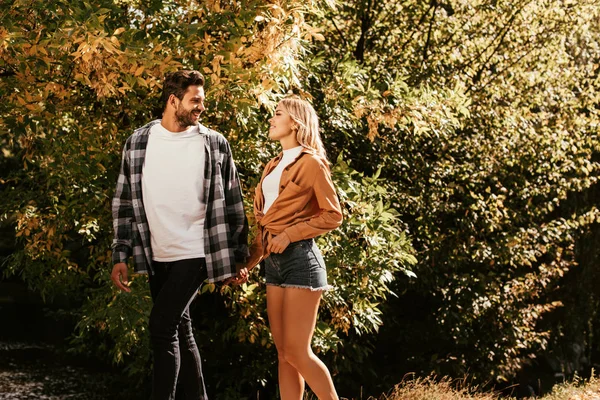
{"x": 119, "y": 31}
{"x": 142, "y": 82}
{"x": 82, "y": 47}
{"x": 139, "y": 71}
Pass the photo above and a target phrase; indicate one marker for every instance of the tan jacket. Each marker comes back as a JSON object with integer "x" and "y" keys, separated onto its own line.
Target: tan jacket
{"x": 307, "y": 205}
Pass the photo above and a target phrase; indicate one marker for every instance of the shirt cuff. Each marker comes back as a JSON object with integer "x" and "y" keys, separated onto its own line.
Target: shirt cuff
{"x": 120, "y": 254}
{"x": 294, "y": 233}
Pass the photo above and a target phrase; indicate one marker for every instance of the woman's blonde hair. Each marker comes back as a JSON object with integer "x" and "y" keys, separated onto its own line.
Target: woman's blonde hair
{"x": 305, "y": 116}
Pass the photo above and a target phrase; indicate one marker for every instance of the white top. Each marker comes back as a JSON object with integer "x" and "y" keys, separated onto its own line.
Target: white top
{"x": 270, "y": 185}
{"x": 172, "y": 188}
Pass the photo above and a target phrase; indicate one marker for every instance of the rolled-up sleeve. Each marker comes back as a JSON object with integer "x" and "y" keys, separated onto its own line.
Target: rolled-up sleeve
{"x": 122, "y": 213}
{"x": 236, "y": 216}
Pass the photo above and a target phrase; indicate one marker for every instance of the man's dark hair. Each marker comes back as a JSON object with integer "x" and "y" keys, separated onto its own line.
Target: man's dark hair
{"x": 176, "y": 83}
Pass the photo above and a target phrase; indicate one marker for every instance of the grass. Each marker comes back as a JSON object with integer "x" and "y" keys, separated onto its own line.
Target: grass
{"x": 431, "y": 388}
{"x": 578, "y": 389}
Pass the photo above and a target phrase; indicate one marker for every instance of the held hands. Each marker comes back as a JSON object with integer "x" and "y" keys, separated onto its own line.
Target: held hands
{"x": 242, "y": 276}
{"x": 119, "y": 277}
{"x": 277, "y": 245}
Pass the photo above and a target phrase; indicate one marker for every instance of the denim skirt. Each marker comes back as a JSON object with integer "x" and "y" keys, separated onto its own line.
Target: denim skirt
{"x": 300, "y": 265}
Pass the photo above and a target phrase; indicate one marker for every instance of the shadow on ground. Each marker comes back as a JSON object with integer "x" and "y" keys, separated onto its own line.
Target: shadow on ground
{"x": 34, "y": 371}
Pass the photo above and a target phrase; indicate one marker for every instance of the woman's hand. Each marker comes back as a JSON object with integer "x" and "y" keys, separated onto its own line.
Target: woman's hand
{"x": 279, "y": 243}
{"x": 242, "y": 276}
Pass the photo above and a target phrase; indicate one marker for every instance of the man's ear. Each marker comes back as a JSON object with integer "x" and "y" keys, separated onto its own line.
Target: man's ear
{"x": 172, "y": 99}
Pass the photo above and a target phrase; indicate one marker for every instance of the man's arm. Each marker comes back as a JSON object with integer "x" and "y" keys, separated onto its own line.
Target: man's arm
{"x": 236, "y": 217}
{"x": 122, "y": 212}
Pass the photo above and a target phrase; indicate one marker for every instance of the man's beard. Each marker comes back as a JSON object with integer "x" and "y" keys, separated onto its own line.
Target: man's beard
{"x": 185, "y": 118}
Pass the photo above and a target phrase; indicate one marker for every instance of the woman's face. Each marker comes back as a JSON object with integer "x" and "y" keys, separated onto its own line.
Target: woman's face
{"x": 281, "y": 124}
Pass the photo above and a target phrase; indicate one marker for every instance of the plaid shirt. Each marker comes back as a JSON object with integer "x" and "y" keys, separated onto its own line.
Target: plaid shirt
{"x": 225, "y": 226}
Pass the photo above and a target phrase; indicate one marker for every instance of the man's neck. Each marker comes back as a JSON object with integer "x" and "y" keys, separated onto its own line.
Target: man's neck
{"x": 171, "y": 124}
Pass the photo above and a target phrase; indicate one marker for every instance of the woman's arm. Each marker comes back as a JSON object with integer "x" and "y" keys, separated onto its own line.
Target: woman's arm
{"x": 330, "y": 215}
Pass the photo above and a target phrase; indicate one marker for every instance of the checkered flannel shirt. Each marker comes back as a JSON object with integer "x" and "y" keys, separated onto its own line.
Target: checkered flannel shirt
{"x": 225, "y": 226}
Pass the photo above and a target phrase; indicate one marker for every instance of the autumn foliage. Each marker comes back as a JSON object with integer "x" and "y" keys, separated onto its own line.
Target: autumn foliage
{"x": 464, "y": 145}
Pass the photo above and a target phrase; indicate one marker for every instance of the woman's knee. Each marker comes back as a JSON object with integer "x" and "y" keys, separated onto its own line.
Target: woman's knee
{"x": 295, "y": 356}
{"x": 281, "y": 357}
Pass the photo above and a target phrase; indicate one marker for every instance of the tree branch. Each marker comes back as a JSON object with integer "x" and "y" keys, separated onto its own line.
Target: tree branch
{"x": 501, "y": 35}
{"x": 365, "y": 26}
{"x": 339, "y": 32}
{"x": 421, "y": 20}
{"x": 427, "y": 42}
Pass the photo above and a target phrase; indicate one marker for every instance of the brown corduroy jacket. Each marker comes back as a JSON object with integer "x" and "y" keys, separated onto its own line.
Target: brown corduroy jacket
{"x": 307, "y": 205}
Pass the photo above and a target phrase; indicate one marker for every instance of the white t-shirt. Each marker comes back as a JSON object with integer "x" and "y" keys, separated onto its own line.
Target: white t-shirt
{"x": 270, "y": 185}
{"x": 172, "y": 188}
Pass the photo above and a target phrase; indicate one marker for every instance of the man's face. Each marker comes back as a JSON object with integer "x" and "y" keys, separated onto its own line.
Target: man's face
{"x": 188, "y": 110}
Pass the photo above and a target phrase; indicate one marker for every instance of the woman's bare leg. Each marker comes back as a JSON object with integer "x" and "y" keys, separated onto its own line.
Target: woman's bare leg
{"x": 291, "y": 383}
{"x": 299, "y": 315}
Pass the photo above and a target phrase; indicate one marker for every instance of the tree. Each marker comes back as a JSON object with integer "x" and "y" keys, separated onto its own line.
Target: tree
{"x": 484, "y": 115}
{"x": 76, "y": 78}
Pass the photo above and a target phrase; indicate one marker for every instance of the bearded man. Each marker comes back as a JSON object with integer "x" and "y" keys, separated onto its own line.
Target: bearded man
{"x": 178, "y": 212}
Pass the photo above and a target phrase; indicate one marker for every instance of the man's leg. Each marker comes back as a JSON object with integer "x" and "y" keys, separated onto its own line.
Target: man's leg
{"x": 190, "y": 373}
{"x": 173, "y": 287}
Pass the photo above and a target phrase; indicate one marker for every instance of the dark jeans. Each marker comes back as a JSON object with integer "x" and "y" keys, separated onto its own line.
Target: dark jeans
{"x": 176, "y": 358}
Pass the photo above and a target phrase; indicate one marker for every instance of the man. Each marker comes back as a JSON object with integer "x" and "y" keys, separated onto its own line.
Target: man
{"x": 178, "y": 211}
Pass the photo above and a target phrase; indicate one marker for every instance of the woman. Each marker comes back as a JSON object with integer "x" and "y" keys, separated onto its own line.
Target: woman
{"x": 295, "y": 202}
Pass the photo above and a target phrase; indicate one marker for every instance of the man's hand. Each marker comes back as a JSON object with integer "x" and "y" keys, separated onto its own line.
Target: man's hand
{"x": 119, "y": 277}
{"x": 279, "y": 243}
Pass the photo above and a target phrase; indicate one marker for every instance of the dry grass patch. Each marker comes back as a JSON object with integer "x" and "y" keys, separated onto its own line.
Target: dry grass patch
{"x": 447, "y": 389}
{"x": 578, "y": 389}
{"x": 431, "y": 389}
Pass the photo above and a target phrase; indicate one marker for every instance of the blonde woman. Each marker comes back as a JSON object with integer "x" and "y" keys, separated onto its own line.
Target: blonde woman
{"x": 295, "y": 202}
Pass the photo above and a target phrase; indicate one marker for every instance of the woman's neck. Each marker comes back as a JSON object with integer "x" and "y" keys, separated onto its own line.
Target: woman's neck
{"x": 289, "y": 143}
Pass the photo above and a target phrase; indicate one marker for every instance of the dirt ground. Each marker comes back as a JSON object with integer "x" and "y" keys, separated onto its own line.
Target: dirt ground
{"x": 30, "y": 371}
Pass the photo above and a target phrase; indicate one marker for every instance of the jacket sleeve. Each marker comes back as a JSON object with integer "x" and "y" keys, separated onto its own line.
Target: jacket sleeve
{"x": 122, "y": 213}
{"x": 330, "y": 216}
{"x": 236, "y": 216}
